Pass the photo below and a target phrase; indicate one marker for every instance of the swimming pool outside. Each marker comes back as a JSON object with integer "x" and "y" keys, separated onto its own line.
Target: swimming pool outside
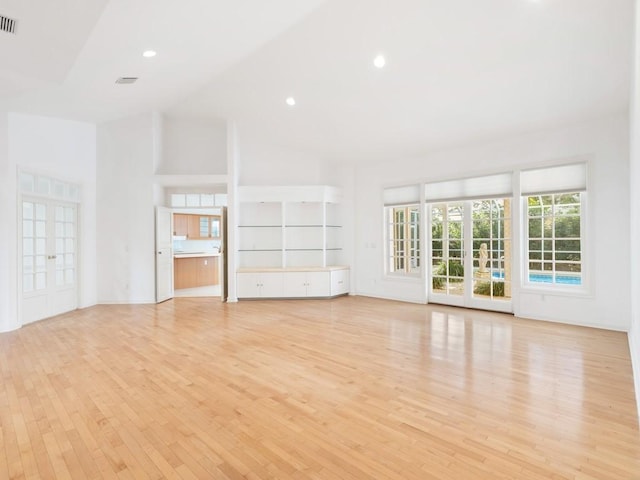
{"x": 547, "y": 278}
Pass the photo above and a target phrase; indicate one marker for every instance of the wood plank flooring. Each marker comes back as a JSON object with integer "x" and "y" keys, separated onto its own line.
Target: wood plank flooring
{"x": 350, "y": 388}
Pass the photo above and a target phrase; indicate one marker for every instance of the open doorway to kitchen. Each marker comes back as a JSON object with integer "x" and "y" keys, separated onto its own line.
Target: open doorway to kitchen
{"x": 198, "y": 244}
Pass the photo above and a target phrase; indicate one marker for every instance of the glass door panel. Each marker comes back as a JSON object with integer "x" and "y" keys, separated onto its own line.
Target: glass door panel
{"x": 49, "y": 259}
{"x": 471, "y": 253}
{"x": 447, "y": 249}
{"x": 491, "y": 233}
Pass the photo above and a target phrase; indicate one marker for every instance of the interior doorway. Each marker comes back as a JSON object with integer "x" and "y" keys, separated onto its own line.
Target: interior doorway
{"x": 49, "y": 258}
{"x": 198, "y": 252}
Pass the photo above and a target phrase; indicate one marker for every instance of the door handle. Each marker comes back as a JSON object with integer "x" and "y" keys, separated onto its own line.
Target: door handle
{"x": 52, "y": 257}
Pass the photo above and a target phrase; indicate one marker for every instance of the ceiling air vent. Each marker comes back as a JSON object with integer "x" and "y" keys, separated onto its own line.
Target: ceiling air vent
{"x": 7, "y": 24}
{"x": 127, "y": 80}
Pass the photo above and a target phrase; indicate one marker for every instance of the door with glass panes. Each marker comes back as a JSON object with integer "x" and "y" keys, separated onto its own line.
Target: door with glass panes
{"x": 49, "y": 258}
{"x": 470, "y": 253}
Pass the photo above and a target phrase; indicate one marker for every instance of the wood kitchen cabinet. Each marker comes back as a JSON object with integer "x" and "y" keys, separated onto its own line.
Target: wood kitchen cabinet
{"x": 181, "y": 224}
{"x": 196, "y": 227}
{"x": 192, "y": 272}
{"x": 209, "y": 226}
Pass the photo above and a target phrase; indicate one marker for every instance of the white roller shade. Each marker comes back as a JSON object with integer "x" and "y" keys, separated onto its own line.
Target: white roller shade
{"x": 470, "y": 188}
{"x": 565, "y": 178}
{"x": 406, "y": 195}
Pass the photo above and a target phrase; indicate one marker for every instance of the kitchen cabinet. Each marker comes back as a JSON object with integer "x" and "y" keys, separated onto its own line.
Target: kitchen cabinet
{"x": 195, "y": 272}
{"x": 193, "y": 232}
{"x": 207, "y": 271}
{"x": 209, "y": 226}
{"x": 196, "y": 227}
{"x": 180, "y": 224}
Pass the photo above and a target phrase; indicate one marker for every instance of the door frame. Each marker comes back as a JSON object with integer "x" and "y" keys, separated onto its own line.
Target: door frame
{"x": 467, "y": 299}
{"x": 52, "y": 202}
{"x": 220, "y": 211}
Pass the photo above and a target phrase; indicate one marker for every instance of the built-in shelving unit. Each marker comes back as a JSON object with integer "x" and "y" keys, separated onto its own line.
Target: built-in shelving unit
{"x": 293, "y": 234}
{"x": 293, "y": 227}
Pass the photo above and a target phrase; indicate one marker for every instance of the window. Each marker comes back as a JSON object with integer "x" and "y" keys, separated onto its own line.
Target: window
{"x": 554, "y": 199}
{"x": 403, "y": 234}
{"x": 554, "y": 239}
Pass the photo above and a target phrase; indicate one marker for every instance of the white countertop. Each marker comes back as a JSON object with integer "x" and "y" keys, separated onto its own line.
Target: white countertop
{"x": 195, "y": 254}
{"x": 292, "y": 269}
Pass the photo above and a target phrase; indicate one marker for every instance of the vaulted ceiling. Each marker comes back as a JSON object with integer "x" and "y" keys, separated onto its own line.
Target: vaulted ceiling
{"x": 456, "y": 71}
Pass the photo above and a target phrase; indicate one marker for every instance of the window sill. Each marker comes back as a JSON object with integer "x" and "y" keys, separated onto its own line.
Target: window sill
{"x": 404, "y": 277}
{"x": 581, "y": 291}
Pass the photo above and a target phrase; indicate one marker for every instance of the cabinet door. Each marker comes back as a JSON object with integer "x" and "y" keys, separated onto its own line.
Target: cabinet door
{"x": 205, "y": 231}
{"x": 185, "y": 273}
{"x": 193, "y": 227}
{"x": 214, "y": 227}
{"x": 207, "y": 271}
{"x": 318, "y": 284}
{"x": 272, "y": 284}
{"x": 248, "y": 285}
{"x": 180, "y": 224}
{"x": 339, "y": 282}
{"x": 295, "y": 284}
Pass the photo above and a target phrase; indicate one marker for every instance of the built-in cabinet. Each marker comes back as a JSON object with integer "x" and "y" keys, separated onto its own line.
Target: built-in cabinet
{"x": 293, "y": 282}
{"x": 260, "y": 284}
{"x": 290, "y": 243}
{"x": 192, "y": 272}
{"x": 196, "y": 227}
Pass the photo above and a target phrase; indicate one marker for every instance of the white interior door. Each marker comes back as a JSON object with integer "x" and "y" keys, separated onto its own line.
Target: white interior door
{"x": 49, "y": 258}
{"x": 164, "y": 254}
{"x": 471, "y": 253}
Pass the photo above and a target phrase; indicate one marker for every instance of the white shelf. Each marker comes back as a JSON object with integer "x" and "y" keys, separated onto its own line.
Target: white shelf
{"x": 289, "y": 226}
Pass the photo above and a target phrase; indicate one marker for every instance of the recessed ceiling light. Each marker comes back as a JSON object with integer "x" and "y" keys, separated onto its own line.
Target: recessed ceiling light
{"x": 379, "y": 61}
{"x": 149, "y": 53}
{"x": 290, "y": 101}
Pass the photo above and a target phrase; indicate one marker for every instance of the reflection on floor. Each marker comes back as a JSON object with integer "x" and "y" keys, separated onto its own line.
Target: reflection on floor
{"x": 209, "y": 291}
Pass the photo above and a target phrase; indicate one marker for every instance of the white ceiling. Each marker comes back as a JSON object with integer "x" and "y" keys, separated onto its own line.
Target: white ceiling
{"x": 457, "y": 71}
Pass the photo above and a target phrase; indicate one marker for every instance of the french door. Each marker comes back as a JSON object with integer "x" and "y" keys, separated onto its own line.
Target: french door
{"x": 470, "y": 253}
{"x": 49, "y": 258}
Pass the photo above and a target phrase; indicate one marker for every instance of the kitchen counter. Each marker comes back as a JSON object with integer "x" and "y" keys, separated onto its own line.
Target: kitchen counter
{"x": 195, "y": 254}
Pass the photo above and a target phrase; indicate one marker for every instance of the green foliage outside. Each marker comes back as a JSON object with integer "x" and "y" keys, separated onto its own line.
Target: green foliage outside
{"x": 456, "y": 269}
{"x": 484, "y": 288}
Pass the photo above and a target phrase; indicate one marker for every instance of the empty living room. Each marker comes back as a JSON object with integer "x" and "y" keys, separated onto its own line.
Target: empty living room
{"x": 320, "y": 239}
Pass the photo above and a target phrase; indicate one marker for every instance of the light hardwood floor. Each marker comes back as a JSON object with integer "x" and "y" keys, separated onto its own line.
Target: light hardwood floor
{"x": 350, "y": 388}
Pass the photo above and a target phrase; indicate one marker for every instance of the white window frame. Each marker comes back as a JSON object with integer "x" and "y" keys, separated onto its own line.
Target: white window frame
{"x": 390, "y": 241}
{"x": 554, "y": 286}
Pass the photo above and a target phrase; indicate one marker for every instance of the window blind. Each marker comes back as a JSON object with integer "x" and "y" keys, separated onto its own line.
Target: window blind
{"x": 563, "y": 178}
{"x": 498, "y": 185}
{"x": 405, "y": 195}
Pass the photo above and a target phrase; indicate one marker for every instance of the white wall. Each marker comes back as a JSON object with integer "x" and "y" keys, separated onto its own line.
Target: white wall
{"x": 193, "y": 146}
{"x": 8, "y": 233}
{"x": 264, "y": 164}
{"x": 125, "y": 210}
{"x": 604, "y": 141}
{"x": 65, "y": 150}
{"x": 634, "y": 332}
